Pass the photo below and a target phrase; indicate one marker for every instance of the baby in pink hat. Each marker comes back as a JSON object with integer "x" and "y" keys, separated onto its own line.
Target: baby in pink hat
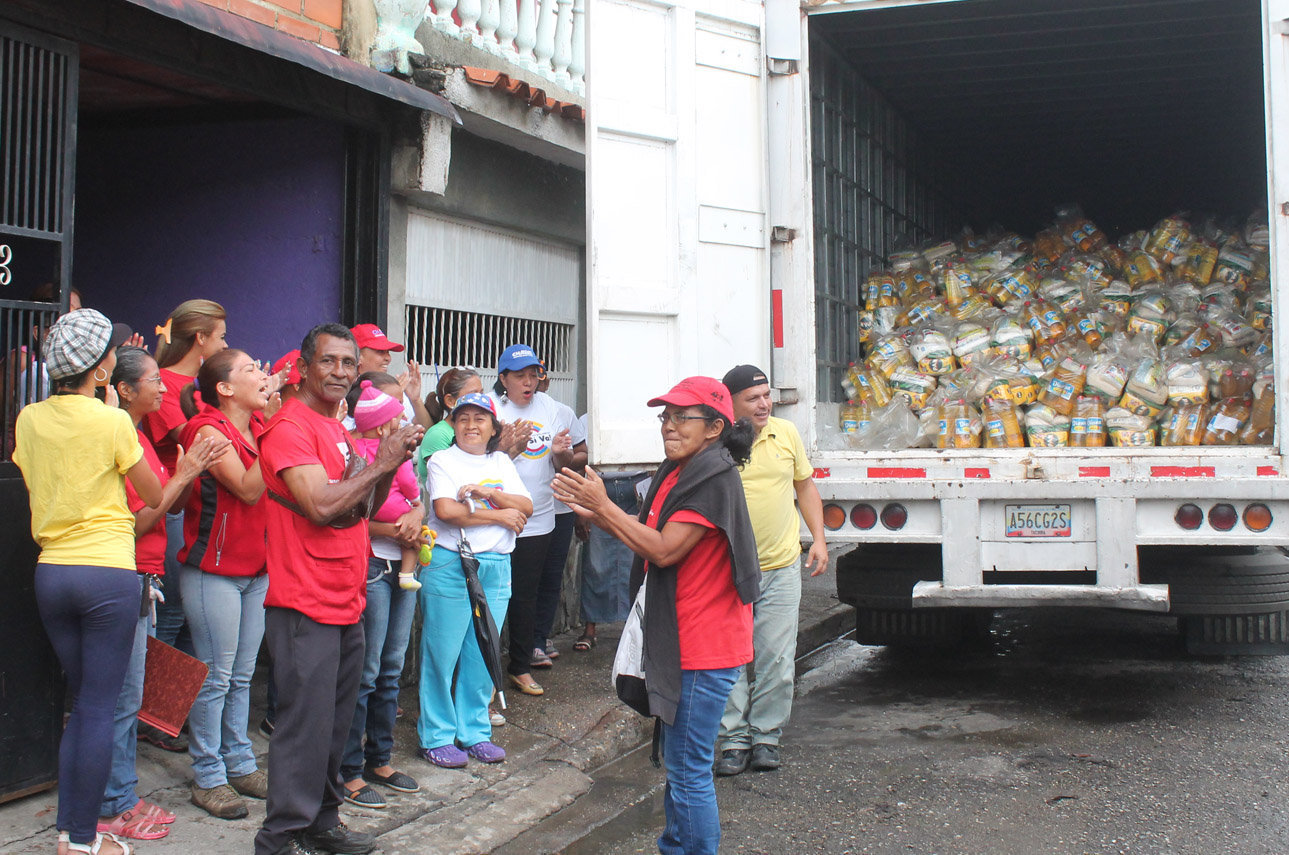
{"x": 376, "y": 415}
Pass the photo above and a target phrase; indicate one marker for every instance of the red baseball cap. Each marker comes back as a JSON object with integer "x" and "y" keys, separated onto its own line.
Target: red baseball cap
{"x": 289, "y": 358}
{"x": 696, "y": 391}
{"x": 370, "y": 335}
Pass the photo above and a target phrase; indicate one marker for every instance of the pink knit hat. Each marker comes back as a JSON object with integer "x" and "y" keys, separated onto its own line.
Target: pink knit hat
{"x": 374, "y": 408}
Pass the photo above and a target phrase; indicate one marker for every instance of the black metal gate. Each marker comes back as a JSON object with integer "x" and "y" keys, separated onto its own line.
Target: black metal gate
{"x": 38, "y": 94}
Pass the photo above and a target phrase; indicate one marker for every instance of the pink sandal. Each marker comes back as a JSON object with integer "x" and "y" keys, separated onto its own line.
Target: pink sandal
{"x": 135, "y": 825}
{"x": 154, "y": 812}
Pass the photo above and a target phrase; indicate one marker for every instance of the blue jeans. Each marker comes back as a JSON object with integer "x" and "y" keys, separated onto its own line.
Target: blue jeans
{"x": 693, "y": 823}
{"x": 387, "y": 626}
{"x": 226, "y": 614}
{"x": 120, "y": 795}
{"x": 448, "y": 646}
{"x": 170, "y": 614}
{"x": 606, "y": 563}
{"x": 91, "y": 615}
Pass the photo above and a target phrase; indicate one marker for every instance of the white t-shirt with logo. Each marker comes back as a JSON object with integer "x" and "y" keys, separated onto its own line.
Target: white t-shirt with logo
{"x": 536, "y": 464}
{"x": 451, "y": 469}
{"x": 577, "y": 433}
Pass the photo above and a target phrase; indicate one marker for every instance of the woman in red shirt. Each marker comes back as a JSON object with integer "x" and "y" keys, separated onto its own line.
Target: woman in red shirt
{"x": 223, "y": 571}
{"x": 696, "y": 553}
{"x": 139, "y": 387}
{"x": 194, "y": 332}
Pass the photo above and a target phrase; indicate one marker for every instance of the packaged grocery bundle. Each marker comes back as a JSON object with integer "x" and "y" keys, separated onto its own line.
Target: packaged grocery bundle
{"x": 1225, "y": 421}
{"x": 1128, "y": 429}
{"x": 1197, "y": 338}
{"x": 1142, "y": 269}
{"x": 867, "y": 386}
{"x": 1087, "y": 427}
{"x": 1009, "y": 337}
{"x": 1261, "y": 425}
{"x": 1231, "y": 378}
{"x": 1169, "y": 240}
{"x": 1234, "y": 263}
{"x": 970, "y": 340}
{"x": 1183, "y": 424}
{"x": 1146, "y": 391}
{"x": 931, "y": 349}
{"x": 1078, "y": 230}
{"x": 1151, "y": 314}
{"x": 892, "y": 427}
{"x": 1017, "y": 282}
{"x": 912, "y": 386}
{"x": 1235, "y": 331}
{"x": 1201, "y": 258}
{"x": 1115, "y": 298}
{"x": 1044, "y": 320}
{"x": 1001, "y": 423}
{"x": 959, "y": 425}
{"x": 855, "y": 417}
{"x": 1064, "y": 385}
{"x": 1046, "y": 428}
{"x": 888, "y": 353}
{"x": 1187, "y": 382}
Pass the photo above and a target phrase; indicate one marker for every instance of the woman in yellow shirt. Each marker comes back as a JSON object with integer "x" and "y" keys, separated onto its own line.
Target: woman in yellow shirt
{"x": 75, "y": 454}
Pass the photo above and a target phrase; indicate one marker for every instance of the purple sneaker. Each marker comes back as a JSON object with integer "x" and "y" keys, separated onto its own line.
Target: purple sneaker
{"x": 487, "y": 752}
{"x": 445, "y": 756}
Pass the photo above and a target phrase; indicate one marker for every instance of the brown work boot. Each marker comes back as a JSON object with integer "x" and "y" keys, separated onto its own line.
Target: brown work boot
{"x": 222, "y": 802}
{"x": 255, "y": 784}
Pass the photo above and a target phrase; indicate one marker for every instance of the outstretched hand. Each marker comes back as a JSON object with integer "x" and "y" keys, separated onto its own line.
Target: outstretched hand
{"x": 584, "y": 494}
{"x": 398, "y": 447}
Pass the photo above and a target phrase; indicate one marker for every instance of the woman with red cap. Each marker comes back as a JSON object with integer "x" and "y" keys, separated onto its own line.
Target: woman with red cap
{"x": 696, "y": 554}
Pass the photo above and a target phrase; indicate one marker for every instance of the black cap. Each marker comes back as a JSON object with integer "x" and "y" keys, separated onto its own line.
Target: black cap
{"x": 742, "y": 377}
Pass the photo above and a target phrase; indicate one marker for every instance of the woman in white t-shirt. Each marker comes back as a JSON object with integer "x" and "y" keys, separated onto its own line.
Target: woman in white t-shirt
{"x": 544, "y": 445}
{"x": 470, "y": 469}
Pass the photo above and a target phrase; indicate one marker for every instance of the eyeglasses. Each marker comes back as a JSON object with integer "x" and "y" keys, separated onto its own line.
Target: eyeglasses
{"x": 156, "y": 379}
{"x": 678, "y": 419}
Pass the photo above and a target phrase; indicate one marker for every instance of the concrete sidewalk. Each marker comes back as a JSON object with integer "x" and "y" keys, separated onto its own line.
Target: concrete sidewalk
{"x": 554, "y": 744}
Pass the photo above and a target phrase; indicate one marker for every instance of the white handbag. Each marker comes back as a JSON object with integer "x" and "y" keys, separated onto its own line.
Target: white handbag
{"x": 628, "y": 662}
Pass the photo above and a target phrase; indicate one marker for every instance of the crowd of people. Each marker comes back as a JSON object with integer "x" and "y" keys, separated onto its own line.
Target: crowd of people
{"x": 311, "y": 509}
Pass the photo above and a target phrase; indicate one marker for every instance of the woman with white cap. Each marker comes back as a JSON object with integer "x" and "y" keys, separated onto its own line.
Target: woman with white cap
{"x": 75, "y": 454}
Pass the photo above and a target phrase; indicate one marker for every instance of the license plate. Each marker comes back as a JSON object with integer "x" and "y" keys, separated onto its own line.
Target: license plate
{"x": 1038, "y": 520}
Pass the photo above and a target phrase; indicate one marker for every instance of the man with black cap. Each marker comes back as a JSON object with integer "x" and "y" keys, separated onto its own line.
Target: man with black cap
{"x": 778, "y": 473}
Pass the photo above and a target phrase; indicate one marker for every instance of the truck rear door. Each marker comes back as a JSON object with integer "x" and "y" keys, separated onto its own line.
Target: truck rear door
{"x": 678, "y": 270}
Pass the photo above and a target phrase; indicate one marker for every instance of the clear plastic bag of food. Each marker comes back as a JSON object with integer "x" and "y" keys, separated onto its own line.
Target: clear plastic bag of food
{"x": 1046, "y": 428}
{"x": 1151, "y": 313}
{"x": 1065, "y": 295}
{"x": 1169, "y": 240}
{"x": 1107, "y": 375}
{"x": 1142, "y": 269}
{"x": 1087, "y": 426}
{"x": 1146, "y": 391}
{"x": 970, "y": 341}
{"x": 1009, "y": 336}
{"x": 959, "y": 425}
{"x": 891, "y": 427}
{"x": 1234, "y": 263}
{"x": 1064, "y": 385}
{"x": 1261, "y": 426}
{"x": 1128, "y": 429}
{"x": 1078, "y": 230}
{"x": 1045, "y": 321}
{"x": 1017, "y": 282}
{"x": 1183, "y": 424}
{"x": 1201, "y": 259}
{"x": 1187, "y": 381}
{"x": 1115, "y": 298}
{"x": 931, "y": 348}
{"x": 1225, "y": 421}
{"x": 888, "y": 353}
{"x": 1001, "y": 423}
{"x": 912, "y": 386}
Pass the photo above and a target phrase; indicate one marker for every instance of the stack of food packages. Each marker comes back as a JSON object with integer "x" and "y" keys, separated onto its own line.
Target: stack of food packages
{"x": 1069, "y": 340}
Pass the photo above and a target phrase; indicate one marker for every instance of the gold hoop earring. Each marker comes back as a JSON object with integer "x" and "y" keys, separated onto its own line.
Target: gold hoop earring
{"x": 98, "y": 379}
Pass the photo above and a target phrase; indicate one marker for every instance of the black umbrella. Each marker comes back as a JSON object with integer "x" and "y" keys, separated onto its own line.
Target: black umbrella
{"x": 485, "y": 629}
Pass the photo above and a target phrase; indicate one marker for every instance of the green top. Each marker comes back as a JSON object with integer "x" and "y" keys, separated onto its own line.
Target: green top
{"x": 437, "y": 438}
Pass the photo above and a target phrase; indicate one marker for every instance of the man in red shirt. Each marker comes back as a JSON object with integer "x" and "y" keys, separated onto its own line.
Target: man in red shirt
{"x": 317, "y": 564}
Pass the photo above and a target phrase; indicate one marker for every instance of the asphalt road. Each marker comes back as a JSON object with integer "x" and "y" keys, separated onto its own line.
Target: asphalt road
{"x": 1068, "y": 731}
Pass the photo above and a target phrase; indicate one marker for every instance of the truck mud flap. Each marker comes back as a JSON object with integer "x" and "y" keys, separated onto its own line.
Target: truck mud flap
{"x": 1237, "y": 635}
{"x": 921, "y": 628}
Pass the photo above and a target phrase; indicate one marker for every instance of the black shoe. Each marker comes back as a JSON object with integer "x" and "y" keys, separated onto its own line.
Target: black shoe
{"x": 266, "y": 728}
{"x": 341, "y": 840}
{"x": 765, "y": 757}
{"x": 296, "y": 846}
{"x": 733, "y": 761}
{"x": 162, "y": 740}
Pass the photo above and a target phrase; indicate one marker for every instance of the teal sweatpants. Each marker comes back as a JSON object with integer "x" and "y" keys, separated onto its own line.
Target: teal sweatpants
{"x": 448, "y": 646}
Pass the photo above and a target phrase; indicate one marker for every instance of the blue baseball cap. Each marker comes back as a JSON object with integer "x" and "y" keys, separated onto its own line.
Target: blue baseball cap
{"x": 475, "y": 399}
{"x": 517, "y": 357}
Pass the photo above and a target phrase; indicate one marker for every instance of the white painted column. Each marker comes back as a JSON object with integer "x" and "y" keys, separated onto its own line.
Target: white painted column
{"x": 469, "y": 12}
{"x": 545, "y": 47}
{"x": 508, "y": 28}
{"x": 563, "y": 41}
{"x": 488, "y": 22}
{"x": 443, "y": 16}
{"x": 527, "y": 38}
{"x": 577, "y": 65}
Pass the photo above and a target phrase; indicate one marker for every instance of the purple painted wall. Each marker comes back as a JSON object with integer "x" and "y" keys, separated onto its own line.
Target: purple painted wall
{"x": 248, "y": 214}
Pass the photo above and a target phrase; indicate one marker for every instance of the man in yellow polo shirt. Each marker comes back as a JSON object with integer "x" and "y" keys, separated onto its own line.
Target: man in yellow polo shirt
{"x": 778, "y": 473}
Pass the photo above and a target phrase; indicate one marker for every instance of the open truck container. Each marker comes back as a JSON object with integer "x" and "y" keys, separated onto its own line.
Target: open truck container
{"x": 751, "y": 162}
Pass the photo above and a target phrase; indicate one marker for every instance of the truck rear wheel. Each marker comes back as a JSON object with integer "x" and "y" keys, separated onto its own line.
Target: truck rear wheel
{"x": 1231, "y": 602}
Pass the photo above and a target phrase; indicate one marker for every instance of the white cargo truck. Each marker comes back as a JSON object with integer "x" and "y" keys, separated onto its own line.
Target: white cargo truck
{"x": 750, "y": 162}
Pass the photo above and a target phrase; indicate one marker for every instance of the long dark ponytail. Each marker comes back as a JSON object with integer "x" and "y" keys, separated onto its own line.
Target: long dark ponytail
{"x": 737, "y": 437}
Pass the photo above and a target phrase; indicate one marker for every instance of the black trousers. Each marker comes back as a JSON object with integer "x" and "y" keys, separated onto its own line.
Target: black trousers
{"x": 526, "y": 564}
{"x": 317, "y": 668}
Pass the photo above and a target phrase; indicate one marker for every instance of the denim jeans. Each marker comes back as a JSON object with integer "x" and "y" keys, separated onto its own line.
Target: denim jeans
{"x": 121, "y": 781}
{"x": 91, "y": 616}
{"x": 171, "y": 627}
{"x": 387, "y": 626}
{"x": 448, "y": 646}
{"x": 606, "y": 562}
{"x": 688, "y": 744}
{"x": 226, "y": 614}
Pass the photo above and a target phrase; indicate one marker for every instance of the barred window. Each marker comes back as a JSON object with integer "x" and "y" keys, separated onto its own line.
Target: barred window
{"x": 448, "y": 337}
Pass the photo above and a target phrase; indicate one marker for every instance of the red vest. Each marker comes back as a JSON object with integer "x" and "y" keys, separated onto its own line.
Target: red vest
{"x": 222, "y": 534}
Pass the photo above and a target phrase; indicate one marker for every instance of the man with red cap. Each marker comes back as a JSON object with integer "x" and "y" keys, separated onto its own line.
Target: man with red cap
{"x": 374, "y": 349}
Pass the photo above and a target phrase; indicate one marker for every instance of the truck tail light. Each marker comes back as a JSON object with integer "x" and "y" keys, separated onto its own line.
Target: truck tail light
{"x": 1189, "y": 517}
{"x": 1257, "y": 517}
{"x": 1223, "y": 517}
{"x": 834, "y": 517}
{"x": 863, "y": 516}
{"x": 894, "y": 516}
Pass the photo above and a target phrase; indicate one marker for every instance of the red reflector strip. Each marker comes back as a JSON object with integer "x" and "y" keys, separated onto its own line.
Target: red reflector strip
{"x": 776, "y": 316}
{"x": 975, "y": 473}
{"x": 823, "y": 473}
{"x": 1182, "y": 472}
{"x": 896, "y": 472}
{"x": 1094, "y": 471}
{"x": 1268, "y": 470}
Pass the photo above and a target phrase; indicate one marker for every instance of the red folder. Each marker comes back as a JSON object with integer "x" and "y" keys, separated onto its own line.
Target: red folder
{"x": 171, "y": 681}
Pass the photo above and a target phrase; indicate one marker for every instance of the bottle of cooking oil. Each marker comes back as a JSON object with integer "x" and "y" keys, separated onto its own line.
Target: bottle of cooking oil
{"x": 1261, "y": 426}
{"x": 1087, "y": 427}
{"x": 850, "y": 417}
{"x": 1002, "y": 427}
{"x": 1227, "y": 418}
{"x": 1065, "y": 385}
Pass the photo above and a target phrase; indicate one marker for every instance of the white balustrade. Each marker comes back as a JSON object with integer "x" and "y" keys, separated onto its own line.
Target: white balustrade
{"x": 544, "y": 36}
{"x": 488, "y": 23}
